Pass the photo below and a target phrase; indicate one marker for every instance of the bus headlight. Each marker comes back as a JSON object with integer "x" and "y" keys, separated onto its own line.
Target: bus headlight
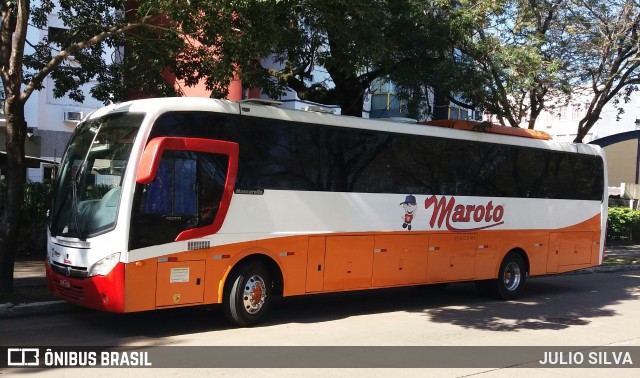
{"x": 104, "y": 266}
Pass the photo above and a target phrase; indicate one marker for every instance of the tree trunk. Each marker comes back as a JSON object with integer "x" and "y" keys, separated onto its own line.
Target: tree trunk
{"x": 440, "y": 105}
{"x": 350, "y": 92}
{"x": 15, "y": 175}
{"x": 351, "y": 100}
{"x": 586, "y": 124}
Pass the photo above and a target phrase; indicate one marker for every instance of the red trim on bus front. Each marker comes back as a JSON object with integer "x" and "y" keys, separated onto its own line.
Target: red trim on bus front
{"x": 151, "y": 160}
{"x": 104, "y": 293}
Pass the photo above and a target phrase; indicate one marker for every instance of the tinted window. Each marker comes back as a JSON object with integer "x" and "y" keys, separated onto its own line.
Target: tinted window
{"x": 276, "y": 154}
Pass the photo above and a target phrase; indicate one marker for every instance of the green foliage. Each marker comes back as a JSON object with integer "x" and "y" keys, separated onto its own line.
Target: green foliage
{"x": 623, "y": 223}
{"x": 527, "y": 52}
{"x": 329, "y": 51}
{"x": 90, "y": 44}
{"x": 518, "y": 49}
{"x": 32, "y": 234}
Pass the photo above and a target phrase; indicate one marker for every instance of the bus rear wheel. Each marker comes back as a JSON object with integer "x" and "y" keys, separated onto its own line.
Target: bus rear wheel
{"x": 511, "y": 279}
{"x": 248, "y": 295}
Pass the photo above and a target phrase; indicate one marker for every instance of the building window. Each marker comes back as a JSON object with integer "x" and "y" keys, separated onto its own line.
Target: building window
{"x": 575, "y": 111}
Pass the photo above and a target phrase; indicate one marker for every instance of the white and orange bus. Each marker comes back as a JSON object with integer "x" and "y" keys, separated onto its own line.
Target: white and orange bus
{"x": 173, "y": 202}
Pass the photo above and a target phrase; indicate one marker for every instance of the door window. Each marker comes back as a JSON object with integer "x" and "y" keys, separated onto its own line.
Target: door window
{"x": 185, "y": 193}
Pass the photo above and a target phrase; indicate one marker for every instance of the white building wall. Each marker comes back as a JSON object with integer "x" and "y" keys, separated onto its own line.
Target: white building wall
{"x": 45, "y": 113}
{"x": 561, "y": 120}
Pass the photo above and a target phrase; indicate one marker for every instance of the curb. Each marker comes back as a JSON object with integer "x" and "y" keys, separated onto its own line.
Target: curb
{"x": 606, "y": 269}
{"x": 9, "y": 310}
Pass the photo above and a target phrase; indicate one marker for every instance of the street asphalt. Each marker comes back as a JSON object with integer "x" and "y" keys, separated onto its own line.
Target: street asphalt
{"x": 32, "y": 273}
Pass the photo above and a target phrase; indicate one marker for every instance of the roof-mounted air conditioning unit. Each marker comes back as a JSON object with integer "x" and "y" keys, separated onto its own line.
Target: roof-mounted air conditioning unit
{"x": 74, "y": 116}
{"x": 318, "y": 109}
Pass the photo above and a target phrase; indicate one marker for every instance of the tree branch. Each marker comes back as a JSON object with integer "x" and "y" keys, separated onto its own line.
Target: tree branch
{"x": 55, "y": 62}
{"x": 14, "y": 75}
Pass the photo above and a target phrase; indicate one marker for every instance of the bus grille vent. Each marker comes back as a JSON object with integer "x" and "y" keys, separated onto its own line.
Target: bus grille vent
{"x": 70, "y": 292}
{"x": 200, "y": 244}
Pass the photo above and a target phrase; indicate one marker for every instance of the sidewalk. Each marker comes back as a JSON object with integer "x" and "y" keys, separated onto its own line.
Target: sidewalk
{"x": 33, "y": 296}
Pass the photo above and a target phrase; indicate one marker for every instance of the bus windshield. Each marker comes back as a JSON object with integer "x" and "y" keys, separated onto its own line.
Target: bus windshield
{"x": 86, "y": 193}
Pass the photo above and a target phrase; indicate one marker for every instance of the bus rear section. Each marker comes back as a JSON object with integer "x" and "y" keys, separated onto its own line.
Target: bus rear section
{"x": 178, "y": 202}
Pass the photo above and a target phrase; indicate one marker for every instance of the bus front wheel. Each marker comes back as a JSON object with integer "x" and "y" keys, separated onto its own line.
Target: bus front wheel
{"x": 511, "y": 278}
{"x": 248, "y": 295}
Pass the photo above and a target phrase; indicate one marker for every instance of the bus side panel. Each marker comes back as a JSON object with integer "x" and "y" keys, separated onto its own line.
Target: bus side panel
{"x": 219, "y": 261}
{"x": 489, "y": 253}
{"x": 595, "y": 248}
{"x": 537, "y": 250}
{"x": 452, "y": 257}
{"x": 493, "y": 246}
{"x": 569, "y": 251}
{"x": 315, "y": 264}
{"x": 180, "y": 283}
{"x": 400, "y": 260}
{"x": 140, "y": 285}
{"x": 290, "y": 253}
{"x": 349, "y": 262}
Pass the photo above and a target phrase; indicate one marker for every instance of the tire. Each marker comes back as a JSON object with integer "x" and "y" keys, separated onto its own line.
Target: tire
{"x": 511, "y": 278}
{"x": 248, "y": 295}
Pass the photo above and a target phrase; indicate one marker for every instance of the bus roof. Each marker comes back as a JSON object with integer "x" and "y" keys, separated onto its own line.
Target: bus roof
{"x": 489, "y": 128}
{"x": 456, "y": 129}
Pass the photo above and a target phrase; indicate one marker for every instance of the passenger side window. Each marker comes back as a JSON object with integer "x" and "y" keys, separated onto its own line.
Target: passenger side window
{"x": 185, "y": 194}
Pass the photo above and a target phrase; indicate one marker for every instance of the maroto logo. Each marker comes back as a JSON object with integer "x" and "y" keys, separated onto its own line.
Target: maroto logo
{"x": 454, "y": 216}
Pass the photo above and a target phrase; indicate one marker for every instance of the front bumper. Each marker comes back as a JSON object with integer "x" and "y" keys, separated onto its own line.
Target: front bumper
{"x": 105, "y": 293}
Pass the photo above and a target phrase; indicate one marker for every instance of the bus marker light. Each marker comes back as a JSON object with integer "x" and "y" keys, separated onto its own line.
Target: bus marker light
{"x": 140, "y": 263}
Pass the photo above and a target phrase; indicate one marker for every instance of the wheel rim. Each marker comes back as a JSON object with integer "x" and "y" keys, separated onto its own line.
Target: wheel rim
{"x": 255, "y": 293}
{"x": 512, "y": 276}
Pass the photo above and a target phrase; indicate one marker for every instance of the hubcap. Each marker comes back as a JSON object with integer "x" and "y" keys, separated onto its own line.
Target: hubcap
{"x": 512, "y": 276}
{"x": 254, "y": 294}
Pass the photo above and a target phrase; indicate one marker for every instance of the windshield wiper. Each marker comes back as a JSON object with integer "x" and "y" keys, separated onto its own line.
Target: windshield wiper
{"x": 74, "y": 199}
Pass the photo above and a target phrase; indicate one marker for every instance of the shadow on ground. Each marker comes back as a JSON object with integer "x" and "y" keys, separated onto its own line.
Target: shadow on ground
{"x": 548, "y": 303}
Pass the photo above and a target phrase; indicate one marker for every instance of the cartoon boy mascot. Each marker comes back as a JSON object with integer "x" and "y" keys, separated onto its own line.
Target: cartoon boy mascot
{"x": 409, "y": 206}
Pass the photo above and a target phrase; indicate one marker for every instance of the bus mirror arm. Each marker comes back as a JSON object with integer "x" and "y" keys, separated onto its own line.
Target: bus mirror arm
{"x": 152, "y": 154}
{"x": 150, "y": 161}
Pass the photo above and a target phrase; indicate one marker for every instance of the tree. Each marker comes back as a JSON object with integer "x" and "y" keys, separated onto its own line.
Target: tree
{"x": 356, "y": 42}
{"x": 607, "y": 54}
{"x": 518, "y": 50}
{"x": 529, "y": 51}
{"x": 89, "y": 47}
{"x": 92, "y": 27}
